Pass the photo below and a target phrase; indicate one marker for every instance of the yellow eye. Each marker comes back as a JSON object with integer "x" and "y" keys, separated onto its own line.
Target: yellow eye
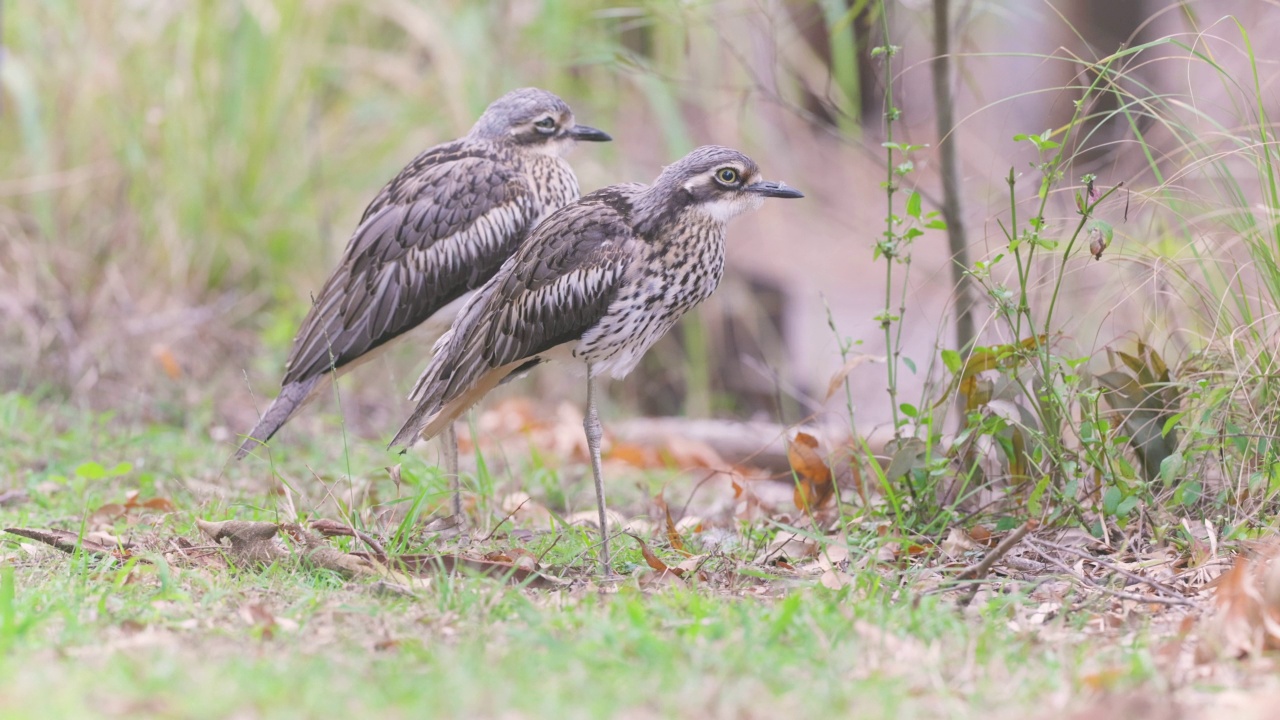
{"x": 728, "y": 176}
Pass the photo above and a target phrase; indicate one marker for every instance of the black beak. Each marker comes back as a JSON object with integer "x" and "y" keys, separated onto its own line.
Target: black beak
{"x": 773, "y": 189}
{"x": 589, "y": 134}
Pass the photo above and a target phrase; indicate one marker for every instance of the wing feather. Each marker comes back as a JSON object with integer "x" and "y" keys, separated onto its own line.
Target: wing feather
{"x": 557, "y": 286}
{"x": 432, "y": 234}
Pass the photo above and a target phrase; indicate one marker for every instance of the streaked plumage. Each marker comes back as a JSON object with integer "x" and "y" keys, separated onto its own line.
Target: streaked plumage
{"x": 438, "y": 230}
{"x": 598, "y": 282}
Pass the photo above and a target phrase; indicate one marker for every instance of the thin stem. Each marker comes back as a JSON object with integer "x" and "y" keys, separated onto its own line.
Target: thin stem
{"x": 890, "y": 235}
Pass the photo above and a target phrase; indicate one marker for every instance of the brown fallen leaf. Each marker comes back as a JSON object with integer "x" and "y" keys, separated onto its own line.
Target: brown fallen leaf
{"x": 673, "y": 534}
{"x": 958, "y": 544}
{"x": 69, "y": 542}
{"x": 106, "y": 515}
{"x": 637, "y": 456}
{"x": 814, "y": 485}
{"x": 981, "y": 534}
{"x": 251, "y": 542}
{"x": 345, "y": 564}
{"x": 167, "y": 361}
{"x": 1246, "y": 608}
{"x": 257, "y": 616}
{"x": 655, "y": 562}
{"x": 159, "y": 504}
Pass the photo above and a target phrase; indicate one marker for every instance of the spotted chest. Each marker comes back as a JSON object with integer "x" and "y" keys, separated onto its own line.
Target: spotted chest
{"x": 553, "y": 183}
{"x": 670, "y": 279}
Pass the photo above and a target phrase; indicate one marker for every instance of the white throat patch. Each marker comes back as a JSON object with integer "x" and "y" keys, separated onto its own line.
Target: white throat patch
{"x": 726, "y": 209}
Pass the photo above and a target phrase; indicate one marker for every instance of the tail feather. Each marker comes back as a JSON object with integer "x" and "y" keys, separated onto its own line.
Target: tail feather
{"x": 292, "y": 397}
{"x": 430, "y": 419}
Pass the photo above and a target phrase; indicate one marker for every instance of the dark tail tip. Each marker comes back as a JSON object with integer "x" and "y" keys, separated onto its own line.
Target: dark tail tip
{"x": 291, "y": 397}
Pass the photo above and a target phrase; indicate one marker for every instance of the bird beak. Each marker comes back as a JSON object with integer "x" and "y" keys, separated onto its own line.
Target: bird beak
{"x": 773, "y": 189}
{"x": 588, "y": 134}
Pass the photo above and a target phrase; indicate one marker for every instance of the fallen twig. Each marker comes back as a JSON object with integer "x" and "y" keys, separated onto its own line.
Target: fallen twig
{"x": 331, "y": 528}
{"x": 979, "y": 571}
{"x": 1121, "y": 594}
{"x": 1156, "y": 584}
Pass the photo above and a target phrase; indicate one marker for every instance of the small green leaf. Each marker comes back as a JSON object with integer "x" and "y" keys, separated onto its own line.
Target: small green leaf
{"x": 92, "y": 471}
{"x": 1006, "y": 523}
{"x": 1033, "y": 501}
{"x": 911, "y": 364}
{"x": 1171, "y": 467}
{"x": 1126, "y": 506}
{"x": 1111, "y": 500}
{"x": 913, "y": 204}
{"x": 1189, "y": 492}
{"x": 952, "y": 360}
{"x": 909, "y": 410}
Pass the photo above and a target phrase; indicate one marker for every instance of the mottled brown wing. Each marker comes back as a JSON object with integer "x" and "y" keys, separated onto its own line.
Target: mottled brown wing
{"x": 439, "y": 229}
{"x": 558, "y": 285}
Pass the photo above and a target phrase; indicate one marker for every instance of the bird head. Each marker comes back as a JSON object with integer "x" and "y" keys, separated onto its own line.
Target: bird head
{"x": 534, "y": 120}
{"x": 720, "y": 182}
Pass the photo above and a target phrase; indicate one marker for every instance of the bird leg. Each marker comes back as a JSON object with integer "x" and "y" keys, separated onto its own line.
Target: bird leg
{"x": 591, "y": 424}
{"x": 449, "y": 448}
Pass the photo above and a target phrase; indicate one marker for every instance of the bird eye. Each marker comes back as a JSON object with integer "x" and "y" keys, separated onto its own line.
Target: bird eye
{"x": 546, "y": 124}
{"x": 728, "y": 176}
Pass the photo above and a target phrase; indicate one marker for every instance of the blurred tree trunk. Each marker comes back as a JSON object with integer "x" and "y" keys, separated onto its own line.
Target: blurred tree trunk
{"x": 944, "y": 113}
{"x": 816, "y": 21}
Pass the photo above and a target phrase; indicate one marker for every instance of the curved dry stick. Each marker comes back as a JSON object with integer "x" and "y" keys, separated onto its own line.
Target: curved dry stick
{"x": 979, "y": 572}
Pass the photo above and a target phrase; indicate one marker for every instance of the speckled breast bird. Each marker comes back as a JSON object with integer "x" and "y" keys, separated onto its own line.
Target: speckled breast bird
{"x": 596, "y": 284}
{"x": 438, "y": 230}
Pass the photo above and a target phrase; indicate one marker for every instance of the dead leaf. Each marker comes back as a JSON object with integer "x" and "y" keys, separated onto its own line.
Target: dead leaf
{"x": 957, "y": 544}
{"x": 909, "y": 455}
{"x": 655, "y": 562}
{"x": 69, "y": 542}
{"x": 1246, "y": 615}
{"x": 673, "y": 534}
{"x": 837, "y": 380}
{"x": 260, "y": 618}
{"x": 106, "y": 515}
{"x": 251, "y": 542}
{"x": 158, "y": 504}
{"x": 814, "y": 482}
{"x": 635, "y": 455}
{"x": 167, "y": 361}
{"x": 345, "y": 564}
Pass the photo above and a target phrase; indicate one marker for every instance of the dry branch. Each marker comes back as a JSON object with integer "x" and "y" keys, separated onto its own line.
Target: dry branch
{"x": 979, "y": 572}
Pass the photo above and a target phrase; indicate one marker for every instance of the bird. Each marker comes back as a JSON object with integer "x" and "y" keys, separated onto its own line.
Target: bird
{"x": 596, "y": 284}
{"x": 439, "y": 229}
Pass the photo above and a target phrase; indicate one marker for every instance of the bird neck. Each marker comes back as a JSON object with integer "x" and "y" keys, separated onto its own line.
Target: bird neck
{"x": 659, "y": 211}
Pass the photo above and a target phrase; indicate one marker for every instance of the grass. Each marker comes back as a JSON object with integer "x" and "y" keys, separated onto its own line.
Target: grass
{"x": 81, "y": 638}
